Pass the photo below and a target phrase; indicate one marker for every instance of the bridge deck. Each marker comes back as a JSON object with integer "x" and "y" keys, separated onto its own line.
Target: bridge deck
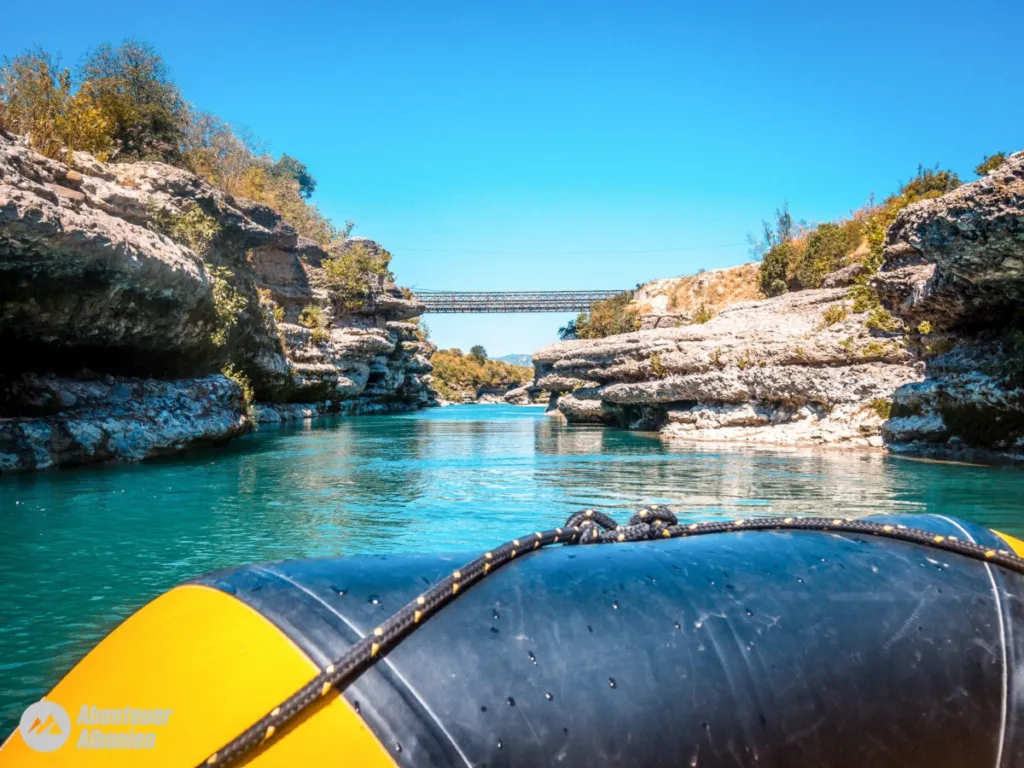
{"x": 511, "y": 301}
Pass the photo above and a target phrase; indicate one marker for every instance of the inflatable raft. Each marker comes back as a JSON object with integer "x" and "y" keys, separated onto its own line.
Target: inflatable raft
{"x": 784, "y": 647}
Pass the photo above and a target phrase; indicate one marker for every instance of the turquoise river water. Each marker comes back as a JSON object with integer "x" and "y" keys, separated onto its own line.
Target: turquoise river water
{"x": 81, "y": 549}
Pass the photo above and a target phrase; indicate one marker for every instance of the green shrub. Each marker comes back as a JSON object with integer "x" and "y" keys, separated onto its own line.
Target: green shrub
{"x": 478, "y": 353}
{"x": 847, "y": 345}
{"x": 795, "y": 256}
{"x": 37, "y": 99}
{"x": 349, "y": 274}
{"x": 924, "y": 327}
{"x": 990, "y": 163}
{"x": 144, "y": 108}
{"x": 864, "y": 297}
{"x": 658, "y": 369}
{"x": 122, "y": 105}
{"x": 193, "y": 228}
{"x": 881, "y": 319}
{"x": 826, "y": 248}
{"x": 278, "y": 315}
{"x": 568, "y": 331}
{"x": 775, "y": 250}
{"x": 608, "y": 317}
{"x": 874, "y": 350}
{"x": 881, "y": 407}
{"x": 834, "y": 314}
{"x": 243, "y": 382}
{"x": 311, "y": 316}
{"x": 703, "y": 314}
{"x": 228, "y": 304}
{"x": 320, "y": 335}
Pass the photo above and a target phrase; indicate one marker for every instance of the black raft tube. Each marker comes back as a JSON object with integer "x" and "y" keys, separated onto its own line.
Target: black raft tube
{"x": 783, "y": 649}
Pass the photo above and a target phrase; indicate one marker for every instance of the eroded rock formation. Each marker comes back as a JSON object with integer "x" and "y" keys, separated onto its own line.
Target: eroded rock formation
{"x": 804, "y": 368}
{"x": 146, "y": 273}
{"x": 958, "y": 261}
{"x": 799, "y": 368}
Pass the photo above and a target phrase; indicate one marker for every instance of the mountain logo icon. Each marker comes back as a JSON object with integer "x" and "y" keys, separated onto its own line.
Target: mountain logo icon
{"x": 45, "y": 726}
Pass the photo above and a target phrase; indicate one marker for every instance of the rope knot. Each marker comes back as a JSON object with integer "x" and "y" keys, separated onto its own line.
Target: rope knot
{"x": 598, "y": 528}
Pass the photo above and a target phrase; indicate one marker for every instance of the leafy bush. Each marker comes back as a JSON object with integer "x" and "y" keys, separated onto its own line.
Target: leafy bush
{"x": 924, "y": 327}
{"x": 350, "y": 274}
{"x": 834, "y": 314}
{"x": 193, "y": 228}
{"x": 881, "y": 319}
{"x": 320, "y": 335}
{"x": 37, "y": 99}
{"x": 826, "y": 249}
{"x": 795, "y": 256}
{"x": 568, "y": 331}
{"x": 658, "y": 369}
{"x": 608, "y": 317}
{"x": 228, "y": 304}
{"x": 123, "y": 106}
{"x": 990, "y": 163}
{"x": 881, "y": 407}
{"x": 311, "y": 316}
{"x": 457, "y": 375}
{"x": 775, "y": 249}
{"x": 243, "y": 382}
{"x": 144, "y": 108}
{"x": 478, "y": 353}
{"x": 703, "y": 314}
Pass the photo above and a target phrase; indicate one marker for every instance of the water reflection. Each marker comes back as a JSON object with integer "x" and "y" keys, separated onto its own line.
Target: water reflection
{"x": 80, "y": 550}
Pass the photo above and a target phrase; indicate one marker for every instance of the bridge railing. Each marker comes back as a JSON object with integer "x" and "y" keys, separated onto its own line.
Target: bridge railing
{"x": 511, "y": 301}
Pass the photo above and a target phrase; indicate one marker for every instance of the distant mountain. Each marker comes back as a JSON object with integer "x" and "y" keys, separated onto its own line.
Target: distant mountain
{"x": 524, "y": 360}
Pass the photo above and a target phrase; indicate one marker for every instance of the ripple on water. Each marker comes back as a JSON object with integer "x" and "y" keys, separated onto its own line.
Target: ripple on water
{"x": 458, "y": 478}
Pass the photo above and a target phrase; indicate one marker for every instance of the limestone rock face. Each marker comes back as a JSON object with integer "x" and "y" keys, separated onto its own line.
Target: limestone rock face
{"x": 958, "y": 260}
{"x": 78, "y": 422}
{"x": 971, "y": 404}
{"x": 81, "y": 270}
{"x": 798, "y": 368}
{"x": 89, "y": 282}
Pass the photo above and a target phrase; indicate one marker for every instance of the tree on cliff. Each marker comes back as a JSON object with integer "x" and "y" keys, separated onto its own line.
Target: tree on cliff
{"x": 478, "y": 353}
{"x": 990, "y": 163}
{"x": 795, "y": 256}
{"x": 568, "y": 331}
{"x": 353, "y": 272}
{"x": 123, "y": 106}
{"x": 144, "y": 108}
{"x": 37, "y": 100}
{"x": 607, "y": 317}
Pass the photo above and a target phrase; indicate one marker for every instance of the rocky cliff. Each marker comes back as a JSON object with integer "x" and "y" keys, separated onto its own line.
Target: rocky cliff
{"x": 806, "y": 368}
{"x": 125, "y": 288}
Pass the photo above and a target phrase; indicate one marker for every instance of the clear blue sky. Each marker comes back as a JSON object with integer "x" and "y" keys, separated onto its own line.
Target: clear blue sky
{"x": 544, "y": 145}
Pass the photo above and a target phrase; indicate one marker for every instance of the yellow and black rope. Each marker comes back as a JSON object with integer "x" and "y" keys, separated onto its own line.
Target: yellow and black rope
{"x": 587, "y": 527}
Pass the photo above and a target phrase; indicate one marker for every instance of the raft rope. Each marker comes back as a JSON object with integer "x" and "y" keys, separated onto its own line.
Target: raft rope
{"x": 587, "y": 527}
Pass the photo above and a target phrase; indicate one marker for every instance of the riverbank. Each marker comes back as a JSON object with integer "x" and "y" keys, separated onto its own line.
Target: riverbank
{"x": 921, "y": 357}
{"x": 145, "y": 311}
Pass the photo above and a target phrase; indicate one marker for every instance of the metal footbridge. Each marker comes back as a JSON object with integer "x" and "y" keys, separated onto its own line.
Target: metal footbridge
{"x": 450, "y": 302}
